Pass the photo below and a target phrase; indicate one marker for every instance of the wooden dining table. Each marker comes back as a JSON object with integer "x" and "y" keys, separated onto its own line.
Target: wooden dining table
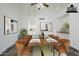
{"x": 44, "y": 42}
{"x": 40, "y": 42}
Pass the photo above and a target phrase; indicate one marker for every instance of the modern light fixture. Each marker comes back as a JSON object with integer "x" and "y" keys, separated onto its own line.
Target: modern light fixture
{"x": 71, "y": 9}
{"x": 39, "y": 5}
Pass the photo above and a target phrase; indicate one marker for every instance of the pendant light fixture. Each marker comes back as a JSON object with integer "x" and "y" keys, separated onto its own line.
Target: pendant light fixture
{"x": 71, "y": 9}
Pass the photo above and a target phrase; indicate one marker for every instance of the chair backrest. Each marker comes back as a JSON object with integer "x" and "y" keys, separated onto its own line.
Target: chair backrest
{"x": 65, "y": 42}
{"x": 27, "y": 39}
{"x": 20, "y": 44}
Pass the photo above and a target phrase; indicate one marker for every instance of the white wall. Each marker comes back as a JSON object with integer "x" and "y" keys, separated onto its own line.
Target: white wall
{"x": 59, "y": 23}
{"x": 73, "y": 19}
{"x": 60, "y": 19}
{"x": 74, "y": 29}
{"x": 31, "y": 15}
{"x": 26, "y": 14}
{"x": 13, "y": 11}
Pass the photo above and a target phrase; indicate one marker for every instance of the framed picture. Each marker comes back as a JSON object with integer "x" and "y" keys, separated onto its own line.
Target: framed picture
{"x": 46, "y": 26}
{"x": 43, "y": 26}
{"x": 7, "y": 25}
{"x": 13, "y": 26}
{"x": 10, "y": 26}
{"x": 50, "y": 26}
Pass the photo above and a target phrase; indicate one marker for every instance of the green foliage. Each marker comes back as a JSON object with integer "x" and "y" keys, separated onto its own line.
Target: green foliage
{"x": 23, "y": 32}
{"x": 65, "y": 27}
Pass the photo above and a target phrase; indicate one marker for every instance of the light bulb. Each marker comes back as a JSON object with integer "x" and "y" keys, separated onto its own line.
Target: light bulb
{"x": 40, "y": 6}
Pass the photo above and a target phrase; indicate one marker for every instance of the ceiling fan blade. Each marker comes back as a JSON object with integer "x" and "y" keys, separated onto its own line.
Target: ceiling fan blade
{"x": 45, "y": 5}
{"x": 33, "y": 3}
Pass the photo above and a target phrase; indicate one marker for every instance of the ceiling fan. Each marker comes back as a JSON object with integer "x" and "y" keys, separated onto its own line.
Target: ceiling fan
{"x": 39, "y": 5}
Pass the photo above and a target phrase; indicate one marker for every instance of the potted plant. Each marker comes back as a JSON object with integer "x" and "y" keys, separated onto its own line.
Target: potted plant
{"x": 65, "y": 28}
{"x": 23, "y": 32}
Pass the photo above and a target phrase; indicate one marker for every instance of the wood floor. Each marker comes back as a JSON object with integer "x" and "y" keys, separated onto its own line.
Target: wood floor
{"x": 12, "y": 52}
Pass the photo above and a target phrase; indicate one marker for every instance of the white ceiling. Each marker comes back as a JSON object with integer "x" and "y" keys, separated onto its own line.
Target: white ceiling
{"x": 54, "y": 7}
{"x": 52, "y": 11}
